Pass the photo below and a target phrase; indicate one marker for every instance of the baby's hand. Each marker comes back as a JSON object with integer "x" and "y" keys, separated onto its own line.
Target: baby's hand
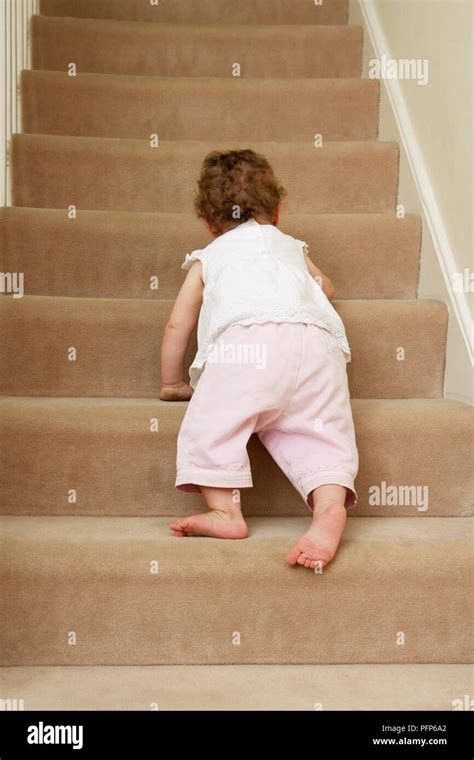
{"x": 177, "y": 392}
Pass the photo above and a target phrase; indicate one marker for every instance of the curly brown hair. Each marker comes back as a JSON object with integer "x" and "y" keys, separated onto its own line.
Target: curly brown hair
{"x": 235, "y": 186}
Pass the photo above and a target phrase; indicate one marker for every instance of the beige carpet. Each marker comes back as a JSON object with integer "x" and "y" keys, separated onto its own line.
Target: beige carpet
{"x": 118, "y": 467}
{"x": 131, "y": 593}
{"x": 112, "y": 105}
{"x": 389, "y": 623}
{"x": 130, "y": 175}
{"x": 204, "y": 12}
{"x": 299, "y": 50}
{"x": 240, "y": 687}
{"x": 377, "y": 254}
{"x": 122, "y": 357}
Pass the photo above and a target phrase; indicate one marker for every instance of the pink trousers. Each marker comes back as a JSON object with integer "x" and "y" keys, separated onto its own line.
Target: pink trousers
{"x": 285, "y": 381}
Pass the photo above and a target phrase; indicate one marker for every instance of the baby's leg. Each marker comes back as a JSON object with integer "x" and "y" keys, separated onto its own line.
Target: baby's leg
{"x": 224, "y": 519}
{"x": 319, "y": 544}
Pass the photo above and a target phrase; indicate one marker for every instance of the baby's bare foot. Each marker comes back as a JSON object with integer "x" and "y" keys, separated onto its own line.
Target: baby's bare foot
{"x": 216, "y": 524}
{"x": 320, "y": 542}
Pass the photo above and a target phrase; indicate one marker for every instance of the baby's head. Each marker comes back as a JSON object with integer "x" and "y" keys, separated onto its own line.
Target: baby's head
{"x": 235, "y": 186}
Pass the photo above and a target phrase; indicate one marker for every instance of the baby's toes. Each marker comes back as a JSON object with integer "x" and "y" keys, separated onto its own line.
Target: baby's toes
{"x": 178, "y": 528}
{"x": 292, "y": 556}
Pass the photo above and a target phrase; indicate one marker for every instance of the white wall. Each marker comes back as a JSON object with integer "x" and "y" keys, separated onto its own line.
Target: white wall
{"x": 433, "y": 125}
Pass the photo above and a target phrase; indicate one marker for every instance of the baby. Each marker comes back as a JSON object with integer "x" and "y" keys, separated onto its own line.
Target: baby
{"x": 271, "y": 360}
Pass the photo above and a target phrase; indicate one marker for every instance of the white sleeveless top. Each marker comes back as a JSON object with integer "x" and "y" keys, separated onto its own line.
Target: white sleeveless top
{"x": 255, "y": 273}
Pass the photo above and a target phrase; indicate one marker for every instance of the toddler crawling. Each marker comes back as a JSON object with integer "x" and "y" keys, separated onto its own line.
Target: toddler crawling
{"x": 271, "y": 360}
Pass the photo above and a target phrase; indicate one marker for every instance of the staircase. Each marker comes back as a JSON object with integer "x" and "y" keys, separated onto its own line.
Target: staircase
{"x": 92, "y": 576}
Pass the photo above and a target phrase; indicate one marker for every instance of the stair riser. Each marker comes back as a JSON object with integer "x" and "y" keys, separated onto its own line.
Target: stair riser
{"x": 107, "y": 454}
{"x": 102, "y": 254}
{"x": 239, "y": 604}
{"x": 198, "y": 12}
{"x": 130, "y": 175}
{"x": 157, "y": 50}
{"x": 94, "y": 105}
{"x": 246, "y": 687}
{"x": 117, "y": 345}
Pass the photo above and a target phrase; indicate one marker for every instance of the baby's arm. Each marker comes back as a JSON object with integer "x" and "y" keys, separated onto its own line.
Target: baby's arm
{"x": 179, "y": 327}
{"x": 325, "y": 283}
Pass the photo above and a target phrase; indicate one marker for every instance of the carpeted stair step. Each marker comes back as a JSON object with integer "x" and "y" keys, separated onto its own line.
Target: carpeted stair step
{"x": 204, "y": 11}
{"x": 114, "y": 254}
{"x": 130, "y": 175}
{"x": 239, "y": 687}
{"x": 398, "y": 591}
{"x": 110, "y": 347}
{"x": 106, "y": 451}
{"x": 190, "y": 108}
{"x": 121, "y": 47}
